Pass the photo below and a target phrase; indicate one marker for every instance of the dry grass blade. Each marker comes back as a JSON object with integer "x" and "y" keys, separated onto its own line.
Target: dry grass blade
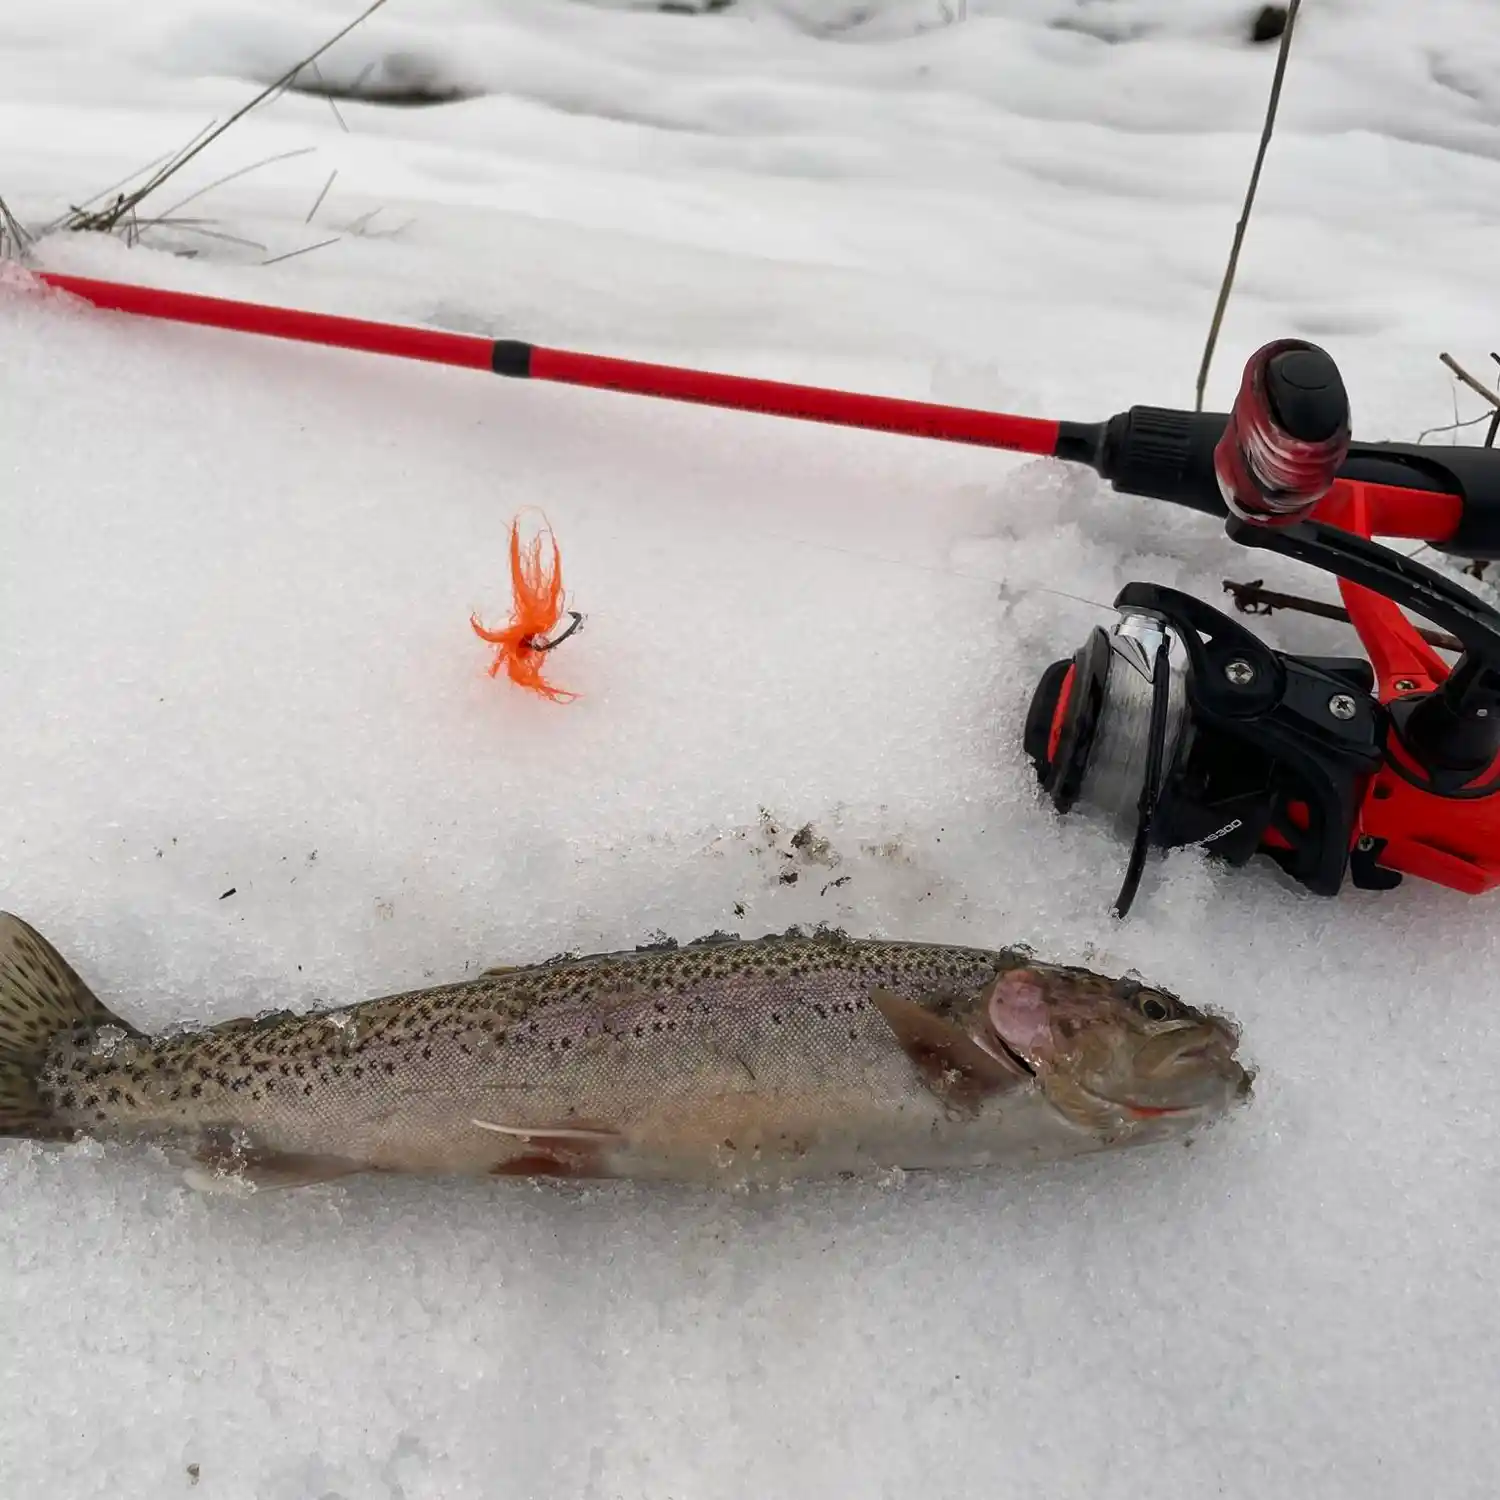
{"x": 15, "y": 242}
{"x": 197, "y": 226}
{"x": 306, "y": 249}
{"x": 111, "y": 217}
{"x": 1474, "y": 384}
{"x": 1428, "y": 432}
{"x": 254, "y": 166}
{"x": 321, "y": 196}
{"x": 332, "y": 102}
{"x": 78, "y": 218}
{"x": 1239, "y": 231}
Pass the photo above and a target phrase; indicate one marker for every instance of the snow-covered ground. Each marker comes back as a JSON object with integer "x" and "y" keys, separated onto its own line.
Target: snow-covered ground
{"x": 249, "y": 753}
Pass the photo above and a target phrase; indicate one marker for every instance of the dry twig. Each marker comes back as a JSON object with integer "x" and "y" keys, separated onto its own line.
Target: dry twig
{"x": 1239, "y": 231}
{"x": 1254, "y": 599}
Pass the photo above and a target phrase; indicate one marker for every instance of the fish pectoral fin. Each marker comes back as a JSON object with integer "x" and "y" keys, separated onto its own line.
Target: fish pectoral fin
{"x": 952, "y": 1064}
{"x": 553, "y": 1150}
{"x": 599, "y": 1135}
{"x": 221, "y": 1165}
{"x": 1081, "y": 1108}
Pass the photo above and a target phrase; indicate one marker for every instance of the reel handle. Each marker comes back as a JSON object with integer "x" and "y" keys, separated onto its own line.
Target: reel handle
{"x": 1280, "y": 451}
{"x": 1446, "y": 496}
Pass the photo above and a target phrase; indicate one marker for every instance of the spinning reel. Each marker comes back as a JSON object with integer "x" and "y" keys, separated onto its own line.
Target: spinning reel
{"x": 1183, "y": 728}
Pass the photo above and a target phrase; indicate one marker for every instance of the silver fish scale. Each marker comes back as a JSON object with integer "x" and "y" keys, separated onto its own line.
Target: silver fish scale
{"x": 708, "y": 1049}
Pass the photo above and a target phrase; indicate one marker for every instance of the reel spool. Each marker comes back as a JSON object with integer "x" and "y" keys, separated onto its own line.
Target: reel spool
{"x": 1177, "y": 726}
{"x": 1105, "y": 727}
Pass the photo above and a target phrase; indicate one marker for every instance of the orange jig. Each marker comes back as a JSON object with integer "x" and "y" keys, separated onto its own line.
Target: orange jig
{"x": 537, "y": 605}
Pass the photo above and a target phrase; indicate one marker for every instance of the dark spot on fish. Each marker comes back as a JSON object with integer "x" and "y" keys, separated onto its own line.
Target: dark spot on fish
{"x": 426, "y": 1054}
{"x": 114, "y": 1096}
{"x": 307, "y": 1088}
{"x": 196, "y": 1091}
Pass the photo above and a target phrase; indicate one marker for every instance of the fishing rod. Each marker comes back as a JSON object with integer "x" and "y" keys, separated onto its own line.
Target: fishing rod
{"x": 1176, "y": 723}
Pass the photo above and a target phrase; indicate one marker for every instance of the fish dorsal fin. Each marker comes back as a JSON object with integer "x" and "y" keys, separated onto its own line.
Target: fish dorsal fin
{"x": 499, "y": 969}
{"x": 952, "y": 1064}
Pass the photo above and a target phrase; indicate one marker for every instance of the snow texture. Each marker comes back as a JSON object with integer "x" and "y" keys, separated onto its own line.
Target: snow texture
{"x": 250, "y": 755}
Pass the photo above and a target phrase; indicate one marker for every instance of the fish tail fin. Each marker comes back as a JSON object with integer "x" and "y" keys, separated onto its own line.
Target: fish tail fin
{"x": 40, "y": 998}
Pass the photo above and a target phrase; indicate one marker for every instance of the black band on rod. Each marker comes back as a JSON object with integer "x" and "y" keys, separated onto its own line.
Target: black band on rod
{"x": 511, "y": 357}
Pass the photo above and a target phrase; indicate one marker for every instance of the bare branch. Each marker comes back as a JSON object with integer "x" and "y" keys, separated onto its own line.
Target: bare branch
{"x": 1469, "y": 380}
{"x": 1253, "y": 599}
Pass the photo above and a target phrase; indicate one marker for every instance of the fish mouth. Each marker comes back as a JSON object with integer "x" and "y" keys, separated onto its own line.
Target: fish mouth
{"x": 1156, "y": 1111}
{"x": 1240, "y": 1081}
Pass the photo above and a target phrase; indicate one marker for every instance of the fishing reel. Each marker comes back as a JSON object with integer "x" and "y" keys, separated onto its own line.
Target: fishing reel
{"x": 1180, "y": 727}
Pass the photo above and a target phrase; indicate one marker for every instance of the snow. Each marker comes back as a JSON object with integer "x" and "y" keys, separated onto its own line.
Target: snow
{"x": 251, "y": 756}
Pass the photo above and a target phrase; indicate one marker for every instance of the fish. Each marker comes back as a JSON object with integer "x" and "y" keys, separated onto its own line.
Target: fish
{"x": 722, "y": 1060}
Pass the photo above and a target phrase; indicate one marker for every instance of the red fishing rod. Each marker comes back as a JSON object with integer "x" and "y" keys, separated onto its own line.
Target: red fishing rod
{"x": 1441, "y": 496}
{"x": 524, "y": 361}
{"x": 1178, "y": 722}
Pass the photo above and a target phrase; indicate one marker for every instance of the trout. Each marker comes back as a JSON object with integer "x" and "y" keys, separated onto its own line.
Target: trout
{"x": 722, "y": 1060}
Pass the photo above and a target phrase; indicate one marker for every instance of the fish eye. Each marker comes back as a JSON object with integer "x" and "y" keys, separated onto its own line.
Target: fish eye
{"x": 1153, "y": 1006}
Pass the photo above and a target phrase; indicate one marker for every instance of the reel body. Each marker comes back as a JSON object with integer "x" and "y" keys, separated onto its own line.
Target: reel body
{"x": 1257, "y": 751}
{"x": 1179, "y": 726}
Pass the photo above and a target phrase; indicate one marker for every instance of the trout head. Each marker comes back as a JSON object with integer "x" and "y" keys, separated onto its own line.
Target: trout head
{"x": 1114, "y": 1055}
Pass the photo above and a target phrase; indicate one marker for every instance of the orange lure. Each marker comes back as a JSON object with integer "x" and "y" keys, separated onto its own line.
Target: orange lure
{"x": 537, "y": 606}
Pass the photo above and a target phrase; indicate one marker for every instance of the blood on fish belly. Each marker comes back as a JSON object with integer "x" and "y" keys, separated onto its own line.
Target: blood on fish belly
{"x": 776, "y": 1058}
